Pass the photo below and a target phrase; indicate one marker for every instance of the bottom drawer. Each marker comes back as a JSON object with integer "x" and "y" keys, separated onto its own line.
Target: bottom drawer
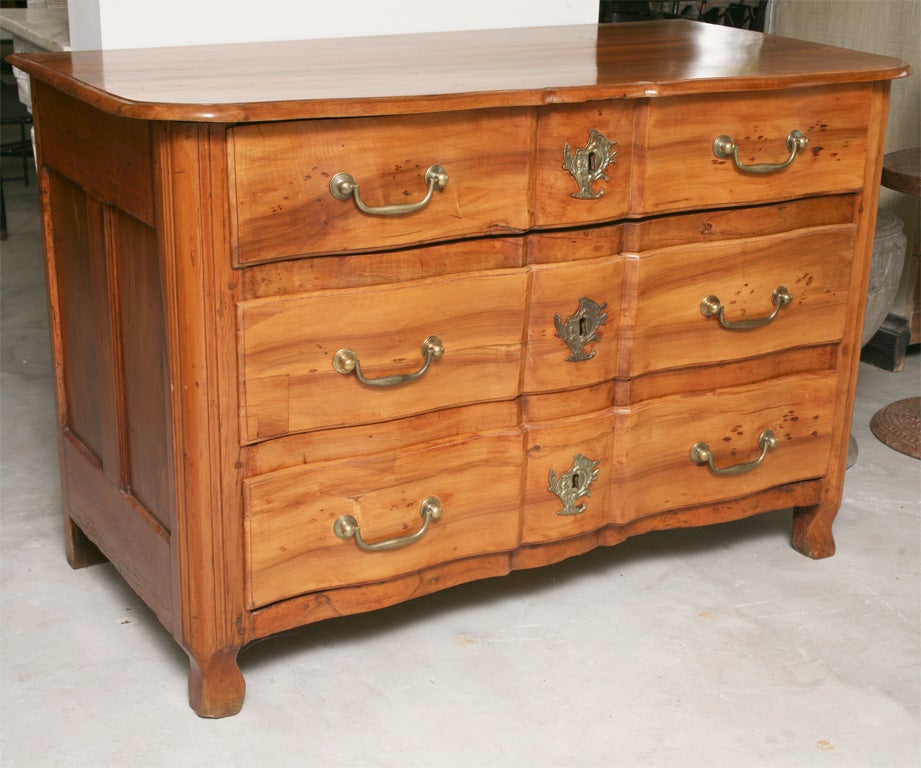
{"x": 655, "y": 441}
{"x": 568, "y": 482}
{"x": 294, "y": 544}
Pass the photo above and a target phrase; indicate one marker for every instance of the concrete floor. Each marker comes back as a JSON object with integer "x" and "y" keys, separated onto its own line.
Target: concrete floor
{"x": 708, "y": 647}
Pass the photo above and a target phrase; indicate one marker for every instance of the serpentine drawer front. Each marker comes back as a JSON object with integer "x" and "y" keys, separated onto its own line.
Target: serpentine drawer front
{"x": 661, "y": 468}
{"x": 334, "y": 334}
{"x": 294, "y": 517}
{"x": 718, "y": 301}
{"x": 289, "y": 201}
{"x": 332, "y": 358}
{"x": 751, "y": 147}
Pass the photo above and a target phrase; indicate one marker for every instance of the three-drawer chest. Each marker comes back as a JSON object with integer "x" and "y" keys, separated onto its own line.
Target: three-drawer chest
{"x": 339, "y": 323}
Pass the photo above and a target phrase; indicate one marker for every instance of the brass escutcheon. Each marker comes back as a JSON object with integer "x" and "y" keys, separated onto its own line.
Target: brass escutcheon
{"x": 588, "y": 164}
{"x": 573, "y": 484}
{"x": 581, "y": 328}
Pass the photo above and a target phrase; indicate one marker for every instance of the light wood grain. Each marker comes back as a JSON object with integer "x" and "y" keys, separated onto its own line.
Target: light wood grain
{"x": 287, "y": 348}
{"x": 553, "y": 446}
{"x": 206, "y": 548}
{"x": 290, "y": 514}
{"x": 669, "y": 331}
{"x": 682, "y": 172}
{"x": 282, "y": 172}
{"x": 554, "y": 186}
{"x": 190, "y": 235}
{"x": 446, "y": 71}
{"x": 556, "y": 292}
{"x": 652, "y": 454}
{"x": 379, "y": 268}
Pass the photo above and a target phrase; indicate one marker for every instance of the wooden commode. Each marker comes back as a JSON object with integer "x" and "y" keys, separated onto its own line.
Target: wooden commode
{"x": 339, "y": 323}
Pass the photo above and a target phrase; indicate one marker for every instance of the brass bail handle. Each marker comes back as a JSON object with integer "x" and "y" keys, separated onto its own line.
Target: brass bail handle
{"x": 701, "y": 454}
{"x": 345, "y": 361}
{"x": 342, "y": 186}
{"x": 710, "y": 306}
{"x": 724, "y": 148}
{"x": 346, "y": 527}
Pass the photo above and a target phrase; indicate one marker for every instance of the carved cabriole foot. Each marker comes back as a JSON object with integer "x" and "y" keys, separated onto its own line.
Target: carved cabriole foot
{"x": 81, "y": 552}
{"x": 216, "y": 687}
{"x": 812, "y": 534}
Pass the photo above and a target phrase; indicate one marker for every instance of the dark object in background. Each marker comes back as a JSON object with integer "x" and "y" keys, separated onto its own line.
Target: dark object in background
{"x": 743, "y": 14}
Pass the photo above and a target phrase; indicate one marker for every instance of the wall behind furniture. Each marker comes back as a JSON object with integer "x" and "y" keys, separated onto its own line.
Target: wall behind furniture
{"x": 890, "y": 28}
{"x": 106, "y": 24}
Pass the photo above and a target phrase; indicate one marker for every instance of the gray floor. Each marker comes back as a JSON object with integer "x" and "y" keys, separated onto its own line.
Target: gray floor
{"x": 709, "y": 647}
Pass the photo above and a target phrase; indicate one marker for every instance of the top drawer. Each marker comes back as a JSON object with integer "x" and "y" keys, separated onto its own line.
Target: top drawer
{"x": 282, "y": 204}
{"x": 583, "y": 163}
{"x": 682, "y": 171}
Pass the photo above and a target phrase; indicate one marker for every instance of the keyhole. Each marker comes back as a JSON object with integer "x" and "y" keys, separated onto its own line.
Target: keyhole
{"x": 583, "y": 326}
{"x": 591, "y": 162}
{"x": 575, "y": 480}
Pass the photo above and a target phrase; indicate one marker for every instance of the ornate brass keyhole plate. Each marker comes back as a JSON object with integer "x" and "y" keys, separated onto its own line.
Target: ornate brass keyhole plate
{"x": 573, "y": 484}
{"x": 581, "y": 328}
{"x": 588, "y": 164}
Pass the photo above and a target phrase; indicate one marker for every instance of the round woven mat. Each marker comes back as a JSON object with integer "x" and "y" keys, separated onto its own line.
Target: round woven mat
{"x": 898, "y": 425}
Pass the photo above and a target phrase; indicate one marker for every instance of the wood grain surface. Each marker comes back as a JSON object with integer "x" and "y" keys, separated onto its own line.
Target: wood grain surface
{"x": 202, "y": 278}
{"x": 446, "y": 71}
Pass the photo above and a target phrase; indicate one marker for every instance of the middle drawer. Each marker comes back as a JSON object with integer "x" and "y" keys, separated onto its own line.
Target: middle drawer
{"x": 301, "y": 355}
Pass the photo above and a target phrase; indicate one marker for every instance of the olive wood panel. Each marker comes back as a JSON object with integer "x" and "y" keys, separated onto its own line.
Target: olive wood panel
{"x": 559, "y": 300}
{"x": 570, "y": 126}
{"x": 287, "y": 347}
{"x": 144, "y": 365}
{"x": 399, "y": 74}
{"x": 654, "y": 470}
{"x": 668, "y": 329}
{"x": 291, "y": 545}
{"x": 681, "y": 170}
{"x": 136, "y": 544}
{"x": 113, "y": 162}
{"x": 281, "y": 175}
{"x": 553, "y": 447}
{"x": 77, "y": 261}
{"x": 324, "y": 272}
{"x": 440, "y": 426}
{"x": 738, "y": 223}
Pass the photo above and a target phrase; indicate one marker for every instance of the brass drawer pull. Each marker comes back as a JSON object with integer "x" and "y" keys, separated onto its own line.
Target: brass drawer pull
{"x": 710, "y": 306}
{"x": 346, "y": 527}
{"x": 701, "y": 454}
{"x": 342, "y": 186}
{"x": 724, "y": 147}
{"x": 345, "y": 361}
